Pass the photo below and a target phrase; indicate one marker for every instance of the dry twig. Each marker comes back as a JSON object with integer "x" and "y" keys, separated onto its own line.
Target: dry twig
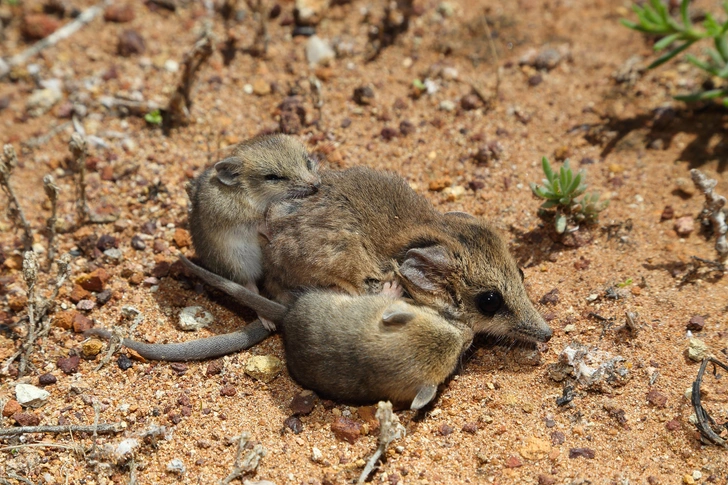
{"x": 708, "y": 428}
{"x": 71, "y": 428}
{"x": 78, "y": 148}
{"x": 8, "y": 162}
{"x": 177, "y": 112}
{"x": 51, "y": 190}
{"x": 390, "y": 429}
{"x": 247, "y": 463}
{"x": 713, "y": 210}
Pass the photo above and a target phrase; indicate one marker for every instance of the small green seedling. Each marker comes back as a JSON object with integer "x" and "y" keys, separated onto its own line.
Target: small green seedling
{"x": 625, "y": 283}
{"x": 561, "y": 191}
{"x": 678, "y": 35}
{"x": 153, "y": 117}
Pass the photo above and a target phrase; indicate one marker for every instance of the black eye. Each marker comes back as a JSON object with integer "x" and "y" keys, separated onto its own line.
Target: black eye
{"x": 274, "y": 178}
{"x": 489, "y": 302}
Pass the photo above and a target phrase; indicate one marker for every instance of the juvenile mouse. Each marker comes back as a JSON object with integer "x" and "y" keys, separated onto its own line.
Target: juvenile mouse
{"x": 360, "y": 348}
{"x": 229, "y": 201}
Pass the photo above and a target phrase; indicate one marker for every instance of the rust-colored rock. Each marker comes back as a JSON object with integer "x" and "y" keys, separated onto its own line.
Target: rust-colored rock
{"x": 119, "y": 14}
{"x": 69, "y": 365}
{"x": 63, "y": 320}
{"x": 26, "y": 419}
{"x": 657, "y": 399}
{"x": 182, "y": 238}
{"x": 81, "y": 323}
{"x": 94, "y": 281}
{"x": 346, "y": 430}
{"x": 38, "y": 26}
{"x": 78, "y": 294}
{"x": 11, "y": 407}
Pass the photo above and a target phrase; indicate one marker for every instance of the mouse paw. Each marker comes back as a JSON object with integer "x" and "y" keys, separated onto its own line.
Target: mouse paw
{"x": 270, "y": 326}
{"x": 392, "y": 288}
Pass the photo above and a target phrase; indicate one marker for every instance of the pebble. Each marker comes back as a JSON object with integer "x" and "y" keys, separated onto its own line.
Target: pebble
{"x": 182, "y": 238}
{"x": 303, "y": 403}
{"x": 696, "y": 323}
{"x": 526, "y": 356}
{"x": 546, "y": 480}
{"x": 261, "y": 87}
{"x": 684, "y": 226}
{"x": 119, "y": 13}
{"x": 346, "y": 429}
{"x": 94, "y": 281}
{"x": 318, "y": 51}
{"x": 470, "y": 102}
{"x": 557, "y": 438}
{"x": 214, "y": 368}
{"x": 547, "y": 59}
{"x": 69, "y": 365}
{"x": 551, "y": 297}
{"x": 581, "y": 452}
{"x": 91, "y": 348}
{"x": 657, "y": 399}
{"x": 124, "y": 362}
{"x": 688, "y": 479}
{"x": 170, "y": 65}
{"x": 309, "y": 12}
{"x": 103, "y": 297}
{"x": 265, "y": 368}
{"x": 114, "y": 255}
{"x": 685, "y": 186}
{"x": 697, "y": 350}
{"x": 447, "y": 105}
{"x": 30, "y": 396}
{"x": 47, "y": 379}
{"x": 81, "y": 323}
{"x": 535, "y": 449}
{"x": 86, "y": 305}
{"x": 513, "y": 462}
{"x": 42, "y": 100}
{"x": 194, "y": 318}
{"x": 38, "y": 26}
{"x": 445, "y": 429}
{"x": 316, "y": 455}
{"x": 138, "y": 243}
{"x": 11, "y": 407}
{"x": 294, "y": 424}
{"x": 130, "y": 43}
{"x": 363, "y": 95}
{"x": 406, "y": 127}
{"x": 570, "y": 328}
{"x": 228, "y": 390}
{"x": 26, "y": 419}
{"x": 672, "y": 425}
{"x": 176, "y": 466}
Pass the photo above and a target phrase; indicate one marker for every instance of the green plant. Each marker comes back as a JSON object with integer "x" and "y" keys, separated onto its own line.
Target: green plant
{"x": 153, "y": 117}
{"x": 561, "y": 191}
{"x": 678, "y": 35}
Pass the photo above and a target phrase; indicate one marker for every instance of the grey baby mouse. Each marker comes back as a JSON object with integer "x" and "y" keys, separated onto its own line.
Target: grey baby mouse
{"x": 361, "y": 348}
{"x": 229, "y": 201}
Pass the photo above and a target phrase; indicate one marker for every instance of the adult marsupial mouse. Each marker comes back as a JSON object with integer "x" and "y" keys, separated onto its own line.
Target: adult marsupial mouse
{"x": 230, "y": 199}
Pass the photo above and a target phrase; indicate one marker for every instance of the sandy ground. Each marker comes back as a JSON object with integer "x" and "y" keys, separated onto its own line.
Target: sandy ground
{"x": 497, "y": 420}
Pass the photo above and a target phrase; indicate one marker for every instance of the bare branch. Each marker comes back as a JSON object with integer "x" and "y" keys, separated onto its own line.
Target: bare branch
{"x": 713, "y": 210}
{"x": 78, "y": 149}
{"x": 51, "y": 190}
{"x": 101, "y": 429}
{"x": 8, "y": 162}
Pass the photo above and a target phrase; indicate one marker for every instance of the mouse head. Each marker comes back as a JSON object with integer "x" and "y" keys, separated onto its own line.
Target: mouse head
{"x": 472, "y": 277}
{"x": 269, "y": 168}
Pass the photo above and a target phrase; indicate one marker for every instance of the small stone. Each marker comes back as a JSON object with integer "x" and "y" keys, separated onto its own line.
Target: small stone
{"x": 265, "y": 368}
{"x": 318, "y": 51}
{"x": 672, "y": 425}
{"x": 94, "y": 281}
{"x": 688, "y": 479}
{"x": 557, "y": 438}
{"x": 535, "y": 449}
{"x": 303, "y": 403}
{"x": 667, "y": 213}
{"x": 69, "y": 365}
{"x": 471, "y": 428}
{"x": 581, "y": 452}
{"x": 228, "y": 390}
{"x": 294, "y": 424}
{"x": 182, "y": 238}
{"x": 214, "y": 368}
{"x": 513, "y": 462}
{"x": 526, "y": 356}
{"x": 130, "y": 43}
{"x": 178, "y": 368}
{"x": 38, "y": 26}
{"x": 657, "y": 399}
{"x": 547, "y": 59}
{"x": 161, "y": 269}
{"x": 535, "y": 80}
{"x": 31, "y": 396}
{"x": 316, "y": 455}
{"x": 42, "y": 100}
{"x": 261, "y": 87}
{"x": 345, "y": 123}
{"x": 106, "y": 241}
{"x": 470, "y": 102}
{"x": 138, "y": 243}
{"x": 176, "y": 466}
{"x": 114, "y": 255}
{"x": 389, "y": 133}
{"x": 124, "y": 362}
{"x": 151, "y": 281}
{"x": 91, "y": 348}
{"x": 309, "y": 12}
{"x": 81, "y": 323}
{"x": 119, "y": 13}
{"x": 170, "y": 65}
{"x": 569, "y": 328}
{"x": 346, "y": 430}
{"x": 86, "y": 305}
{"x": 696, "y": 323}
{"x": 445, "y": 430}
{"x": 552, "y": 297}
{"x": 697, "y": 350}
{"x": 63, "y": 320}
{"x": 293, "y": 115}
{"x": 546, "y": 480}
{"x": 11, "y": 407}
{"x": 684, "y": 226}
{"x": 406, "y": 127}
{"x": 363, "y": 95}
{"x": 447, "y": 105}
{"x": 194, "y": 318}
{"x": 103, "y": 297}
{"x": 26, "y": 419}
{"x": 47, "y": 379}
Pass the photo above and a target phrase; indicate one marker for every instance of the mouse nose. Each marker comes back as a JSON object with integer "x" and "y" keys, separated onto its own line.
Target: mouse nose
{"x": 546, "y": 336}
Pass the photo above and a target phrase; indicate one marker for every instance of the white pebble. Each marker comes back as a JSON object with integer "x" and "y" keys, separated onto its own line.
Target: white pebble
{"x": 194, "y": 318}
{"x": 176, "y": 466}
{"x": 31, "y": 396}
{"x": 316, "y": 455}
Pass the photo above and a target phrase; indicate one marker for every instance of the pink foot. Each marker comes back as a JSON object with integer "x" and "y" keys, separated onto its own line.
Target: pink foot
{"x": 392, "y": 288}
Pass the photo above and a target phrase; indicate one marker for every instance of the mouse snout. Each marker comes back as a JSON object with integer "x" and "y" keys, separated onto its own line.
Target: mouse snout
{"x": 546, "y": 334}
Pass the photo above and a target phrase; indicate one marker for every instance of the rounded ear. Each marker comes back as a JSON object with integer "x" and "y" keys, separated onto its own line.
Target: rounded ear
{"x": 462, "y": 214}
{"x": 397, "y": 313}
{"x": 228, "y": 170}
{"x": 427, "y": 268}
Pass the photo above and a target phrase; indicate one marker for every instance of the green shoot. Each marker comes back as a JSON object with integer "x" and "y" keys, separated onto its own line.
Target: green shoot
{"x": 678, "y": 34}
{"x": 561, "y": 189}
{"x": 153, "y": 117}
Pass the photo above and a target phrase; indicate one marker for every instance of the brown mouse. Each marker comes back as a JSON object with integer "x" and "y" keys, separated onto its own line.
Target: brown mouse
{"x": 362, "y": 348}
{"x": 229, "y": 201}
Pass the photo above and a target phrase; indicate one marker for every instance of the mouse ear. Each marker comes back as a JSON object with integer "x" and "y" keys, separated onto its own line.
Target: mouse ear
{"x": 397, "y": 314}
{"x": 427, "y": 267}
{"x": 462, "y": 214}
{"x": 426, "y": 394}
{"x": 228, "y": 170}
